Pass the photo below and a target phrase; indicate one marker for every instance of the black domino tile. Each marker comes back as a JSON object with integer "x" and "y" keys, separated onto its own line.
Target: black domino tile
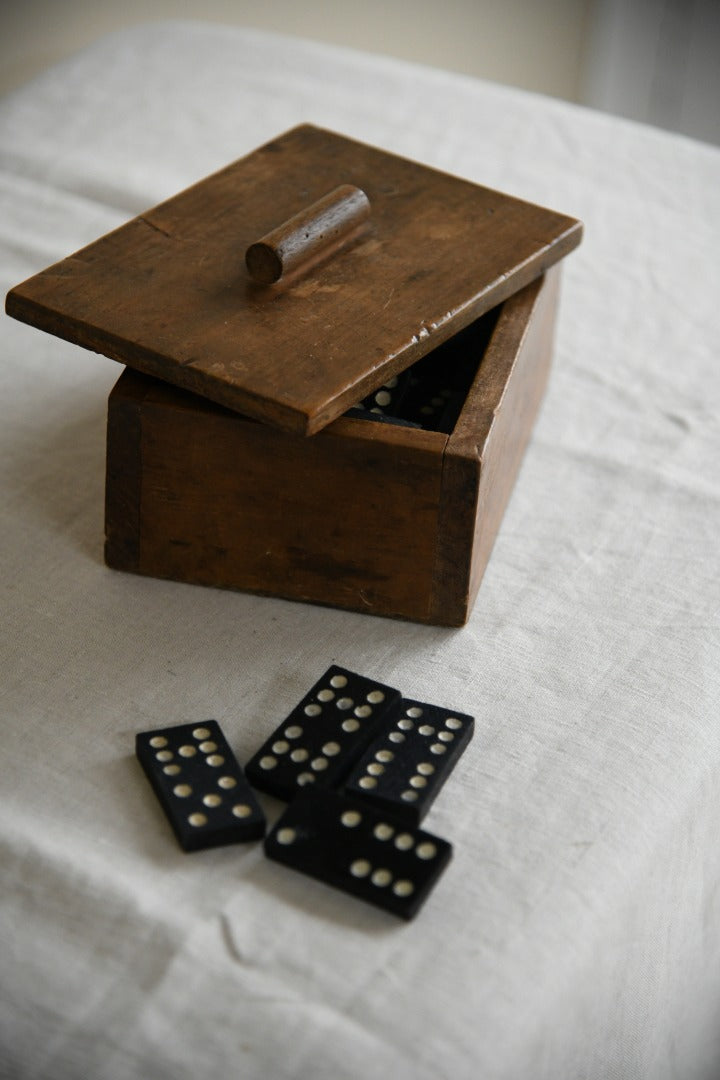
{"x": 322, "y": 738}
{"x": 200, "y": 785}
{"x": 388, "y": 399}
{"x": 409, "y": 760}
{"x": 359, "y": 849}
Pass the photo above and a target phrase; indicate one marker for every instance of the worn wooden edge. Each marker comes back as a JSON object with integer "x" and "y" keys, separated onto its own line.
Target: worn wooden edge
{"x": 123, "y": 471}
{"x": 484, "y": 453}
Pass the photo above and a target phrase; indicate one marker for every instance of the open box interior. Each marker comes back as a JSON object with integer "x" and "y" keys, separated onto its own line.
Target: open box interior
{"x": 432, "y": 392}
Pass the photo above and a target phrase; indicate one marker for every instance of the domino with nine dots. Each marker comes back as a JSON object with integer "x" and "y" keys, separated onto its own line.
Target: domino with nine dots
{"x": 407, "y": 763}
{"x": 323, "y": 736}
{"x": 200, "y": 785}
{"x": 359, "y": 849}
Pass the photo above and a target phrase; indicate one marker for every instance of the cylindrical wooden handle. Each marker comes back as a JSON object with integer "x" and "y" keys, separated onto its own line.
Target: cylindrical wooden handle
{"x": 307, "y": 235}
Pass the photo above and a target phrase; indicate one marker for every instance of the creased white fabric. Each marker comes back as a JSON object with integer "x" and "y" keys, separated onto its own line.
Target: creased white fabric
{"x": 576, "y": 933}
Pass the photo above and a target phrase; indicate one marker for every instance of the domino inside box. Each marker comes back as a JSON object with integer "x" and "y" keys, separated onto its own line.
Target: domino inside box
{"x": 236, "y": 454}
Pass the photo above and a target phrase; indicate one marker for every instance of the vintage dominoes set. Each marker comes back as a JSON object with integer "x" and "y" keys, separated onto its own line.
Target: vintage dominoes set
{"x": 359, "y": 766}
{"x": 265, "y": 315}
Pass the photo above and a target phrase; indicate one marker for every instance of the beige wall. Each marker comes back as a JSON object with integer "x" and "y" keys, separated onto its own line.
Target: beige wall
{"x": 534, "y": 44}
{"x": 651, "y": 60}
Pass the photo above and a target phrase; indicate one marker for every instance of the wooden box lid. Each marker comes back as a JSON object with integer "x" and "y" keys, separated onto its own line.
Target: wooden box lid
{"x": 374, "y": 289}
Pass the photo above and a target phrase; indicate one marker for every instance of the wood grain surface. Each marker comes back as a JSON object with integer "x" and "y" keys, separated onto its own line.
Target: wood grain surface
{"x": 169, "y": 294}
{"x": 348, "y": 517}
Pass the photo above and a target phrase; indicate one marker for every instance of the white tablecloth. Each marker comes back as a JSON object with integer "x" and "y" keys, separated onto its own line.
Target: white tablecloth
{"x": 576, "y": 932}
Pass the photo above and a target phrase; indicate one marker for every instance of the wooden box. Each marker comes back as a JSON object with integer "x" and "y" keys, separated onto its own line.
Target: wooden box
{"x": 232, "y": 458}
